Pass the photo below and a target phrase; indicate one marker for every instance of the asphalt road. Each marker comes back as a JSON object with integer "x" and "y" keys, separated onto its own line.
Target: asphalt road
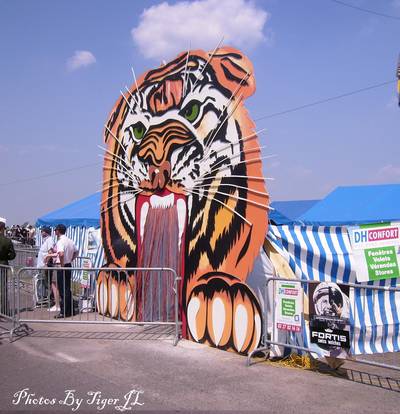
{"x": 142, "y": 370}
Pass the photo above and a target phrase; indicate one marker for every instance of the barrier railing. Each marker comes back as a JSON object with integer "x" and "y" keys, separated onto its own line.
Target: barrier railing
{"x": 7, "y": 300}
{"x": 25, "y": 257}
{"x": 266, "y": 344}
{"x": 134, "y": 296}
{"x": 7, "y": 292}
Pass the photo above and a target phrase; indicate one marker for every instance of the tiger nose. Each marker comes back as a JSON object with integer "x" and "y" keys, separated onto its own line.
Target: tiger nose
{"x": 162, "y": 140}
{"x": 159, "y": 175}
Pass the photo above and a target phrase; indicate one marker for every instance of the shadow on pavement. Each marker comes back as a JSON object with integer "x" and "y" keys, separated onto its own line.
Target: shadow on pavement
{"x": 147, "y": 333}
{"x": 362, "y": 377}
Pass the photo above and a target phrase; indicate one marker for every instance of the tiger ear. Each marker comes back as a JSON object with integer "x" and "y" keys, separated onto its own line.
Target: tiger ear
{"x": 232, "y": 69}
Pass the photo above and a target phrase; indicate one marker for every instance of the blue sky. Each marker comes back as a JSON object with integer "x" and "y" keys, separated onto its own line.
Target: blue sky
{"x": 52, "y": 111}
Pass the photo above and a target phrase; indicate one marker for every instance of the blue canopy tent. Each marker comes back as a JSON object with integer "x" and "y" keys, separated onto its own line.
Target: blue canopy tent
{"x": 356, "y": 205}
{"x": 288, "y": 212}
{"x": 81, "y": 218}
{"x": 84, "y": 212}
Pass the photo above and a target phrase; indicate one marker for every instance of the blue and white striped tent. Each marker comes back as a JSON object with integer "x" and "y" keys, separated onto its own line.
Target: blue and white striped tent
{"x": 324, "y": 253}
{"x": 316, "y": 246}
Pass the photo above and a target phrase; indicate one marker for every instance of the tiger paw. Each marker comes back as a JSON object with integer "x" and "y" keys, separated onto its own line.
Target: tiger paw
{"x": 115, "y": 295}
{"x": 226, "y": 316}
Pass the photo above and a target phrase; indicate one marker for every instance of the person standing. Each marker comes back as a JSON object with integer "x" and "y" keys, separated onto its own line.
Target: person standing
{"x": 7, "y": 253}
{"x": 45, "y": 259}
{"x": 67, "y": 252}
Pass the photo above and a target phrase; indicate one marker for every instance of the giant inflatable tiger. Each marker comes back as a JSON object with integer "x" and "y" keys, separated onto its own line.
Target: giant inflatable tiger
{"x": 183, "y": 188}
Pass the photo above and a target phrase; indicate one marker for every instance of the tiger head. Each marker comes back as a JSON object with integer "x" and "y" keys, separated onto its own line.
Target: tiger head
{"x": 180, "y": 138}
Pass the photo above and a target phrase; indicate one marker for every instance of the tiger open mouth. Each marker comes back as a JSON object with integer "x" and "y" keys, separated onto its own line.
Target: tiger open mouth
{"x": 161, "y": 220}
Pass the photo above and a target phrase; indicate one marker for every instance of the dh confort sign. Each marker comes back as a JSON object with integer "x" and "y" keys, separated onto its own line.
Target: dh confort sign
{"x": 376, "y": 250}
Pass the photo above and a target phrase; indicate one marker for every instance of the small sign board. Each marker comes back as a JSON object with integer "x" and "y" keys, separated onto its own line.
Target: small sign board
{"x": 85, "y": 280}
{"x": 288, "y": 306}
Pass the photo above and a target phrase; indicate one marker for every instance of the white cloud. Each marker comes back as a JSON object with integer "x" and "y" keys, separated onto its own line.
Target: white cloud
{"x": 165, "y": 30}
{"x": 80, "y": 59}
{"x": 389, "y": 173}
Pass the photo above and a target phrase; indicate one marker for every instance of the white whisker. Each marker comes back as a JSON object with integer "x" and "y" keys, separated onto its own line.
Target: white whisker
{"x": 208, "y": 146}
{"x": 137, "y": 87}
{"x": 208, "y": 61}
{"x": 250, "y": 190}
{"x": 224, "y": 108}
{"x": 108, "y": 187}
{"x": 224, "y": 167}
{"x": 125, "y": 169}
{"x": 249, "y": 177}
{"x": 245, "y": 152}
{"x": 126, "y": 100}
{"x": 125, "y": 162}
{"x": 133, "y": 97}
{"x": 243, "y": 139}
{"x": 115, "y": 184}
{"x": 185, "y": 73}
{"x": 240, "y": 198}
{"x": 119, "y": 142}
{"x": 127, "y": 176}
{"x": 223, "y": 204}
{"x": 118, "y": 202}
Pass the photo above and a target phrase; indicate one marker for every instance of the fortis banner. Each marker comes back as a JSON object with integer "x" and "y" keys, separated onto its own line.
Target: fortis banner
{"x": 376, "y": 250}
{"x": 329, "y": 307}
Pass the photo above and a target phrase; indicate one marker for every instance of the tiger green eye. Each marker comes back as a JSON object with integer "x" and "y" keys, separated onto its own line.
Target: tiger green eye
{"x": 138, "y": 130}
{"x": 191, "y": 111}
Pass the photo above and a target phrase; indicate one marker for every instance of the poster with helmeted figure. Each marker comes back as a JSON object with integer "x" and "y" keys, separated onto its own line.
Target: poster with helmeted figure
{"x": 329, "y": 304}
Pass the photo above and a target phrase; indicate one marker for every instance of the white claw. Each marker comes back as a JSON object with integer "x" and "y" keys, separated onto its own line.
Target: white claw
{"x": 114, "y": 300}
{"x": 102, "y": 298}
{"x": 218, "y": 316}
{"x": 130, "y": 303}
{"x": 241, "y": 320}
{"x": 193, "y": 308}
{"x": 257, "y": 323}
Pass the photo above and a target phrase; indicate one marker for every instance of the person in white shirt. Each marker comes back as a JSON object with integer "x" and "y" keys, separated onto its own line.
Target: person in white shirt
{"x": 45, "y": 259}
{"x": 47, "y": 244}
{"x": 67, "y": 252}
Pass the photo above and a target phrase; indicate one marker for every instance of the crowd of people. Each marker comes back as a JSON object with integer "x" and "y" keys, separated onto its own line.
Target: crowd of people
{"x": 24, "y": 234}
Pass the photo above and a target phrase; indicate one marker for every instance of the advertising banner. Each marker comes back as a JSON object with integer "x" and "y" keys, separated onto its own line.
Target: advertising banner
{"x": 85, "y": 280}
{"x": 288, "y": 306}
{"x": 329, "y": 309}
{"x": 376, "y": 250}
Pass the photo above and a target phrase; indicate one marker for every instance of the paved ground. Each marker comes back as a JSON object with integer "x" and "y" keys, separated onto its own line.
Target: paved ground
{"x": 143, "y": 366}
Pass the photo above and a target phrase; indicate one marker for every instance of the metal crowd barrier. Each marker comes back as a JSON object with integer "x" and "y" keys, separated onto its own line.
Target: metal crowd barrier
{"x": 25, "y": 257}
{"x": 267, "y": 343}
{"x": 7, "y": 293}
{"x": 8, "y": 302}
{"x": 133, "y": 296}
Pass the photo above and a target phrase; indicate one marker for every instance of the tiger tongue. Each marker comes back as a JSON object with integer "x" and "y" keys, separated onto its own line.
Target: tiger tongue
{"x": 158, "y": 249}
